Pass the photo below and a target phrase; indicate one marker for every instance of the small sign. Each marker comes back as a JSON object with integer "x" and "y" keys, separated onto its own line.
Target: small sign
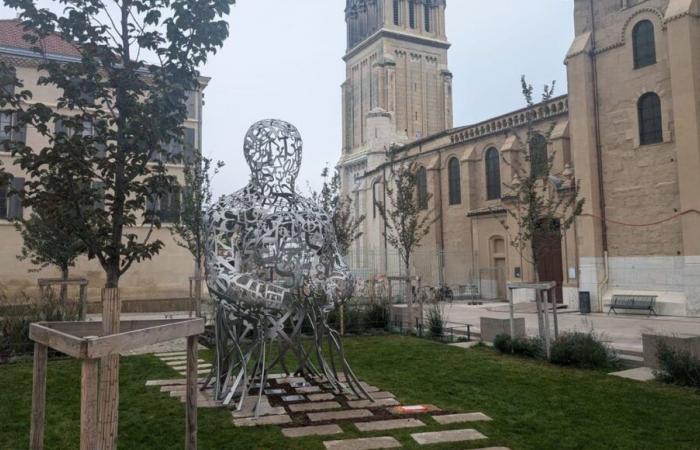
{"x": 518, "y": 272}
{"x": 572, "y": 273}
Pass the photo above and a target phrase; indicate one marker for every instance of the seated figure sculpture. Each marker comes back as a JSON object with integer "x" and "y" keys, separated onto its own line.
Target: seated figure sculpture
{"x": 272, "y": 265}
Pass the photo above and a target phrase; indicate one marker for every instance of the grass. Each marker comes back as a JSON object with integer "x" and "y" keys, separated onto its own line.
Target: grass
{"x": 534, "y": 405}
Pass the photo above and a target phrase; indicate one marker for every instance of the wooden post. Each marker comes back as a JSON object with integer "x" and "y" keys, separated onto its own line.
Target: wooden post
{"x": 191, "y": 396}
{"x": 36, "y": 434}
{"x": 88, "y": 404}
{"x": 512, "y": 313}
{"x": 547, "y": 334}
{"x": 108, "y": 416}
{"x": 552, "y": 293}
{"x": 83, "y": 301}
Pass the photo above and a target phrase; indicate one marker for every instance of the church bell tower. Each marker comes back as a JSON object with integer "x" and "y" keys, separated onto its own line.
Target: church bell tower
{"x": 398, "y": 87}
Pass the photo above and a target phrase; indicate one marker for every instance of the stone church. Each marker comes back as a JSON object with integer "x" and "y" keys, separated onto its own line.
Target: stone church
{"x": 628, "y": 132}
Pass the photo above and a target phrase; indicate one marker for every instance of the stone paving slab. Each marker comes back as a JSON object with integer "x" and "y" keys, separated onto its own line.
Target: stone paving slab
{"x": 636, "y": 374}
{"x": 281, "y": 419}
{"x": 199, "y": 372}
{"x": 308, "y": 389}
{"x": 249, "y": 404}
{"x": 339, "y": 415}
{"x": 363, "y": 444}
{"x": 173, "y": 358}
{"x": 313, "y": 430}
{"x": 438, "y": 437}
{"x": 461, "y": 418}
{"x": 468, "y": 344}
{"x": 493, "y": 448}
{"x": 290, "y": 380}
{"x": 179, "y": 362}
{"x": 293, "y": 398}
{"x": 379, "y": 403}
{"x": 320, "y": 397}
{"x": 375, "y": 395}
{"x": 393, "y": 424}
{"x": 170, "y": 354}
{"x": 200, "y": 366}
{"x": 316, "y": 406}
{"x": 175, "y": 382}
{"x": 413, "y": 409}
{"x": 275, "y": 391}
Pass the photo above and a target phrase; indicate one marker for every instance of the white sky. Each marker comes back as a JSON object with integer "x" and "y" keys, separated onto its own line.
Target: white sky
{"x": 283, "y": 60}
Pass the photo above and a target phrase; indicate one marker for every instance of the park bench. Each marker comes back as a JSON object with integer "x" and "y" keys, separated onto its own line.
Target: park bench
{"x": 637, "y": 302}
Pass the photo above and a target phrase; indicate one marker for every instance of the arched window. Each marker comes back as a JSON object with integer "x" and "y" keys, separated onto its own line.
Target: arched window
{"x": 427, "y": 13}
{"x": 493, "y": 174}
{"x": 412, "y": 13}
{"x": 455, "y": 181}
{"x": 538, "y": 155}
{"x": 397, "y": 12}
{"x": 422, "y": 183}
{"x": 650, "y": 125}
{"x": 644, "y": 44}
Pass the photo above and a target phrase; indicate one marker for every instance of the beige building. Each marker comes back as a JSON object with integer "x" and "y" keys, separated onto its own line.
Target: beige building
{"x": 628, "y": 131}
{"x": 166, "y": 276}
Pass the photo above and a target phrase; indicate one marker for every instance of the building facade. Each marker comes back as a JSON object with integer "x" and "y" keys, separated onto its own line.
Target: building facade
{"x": 166, "y": 276}
{"x": 628, "y": 132}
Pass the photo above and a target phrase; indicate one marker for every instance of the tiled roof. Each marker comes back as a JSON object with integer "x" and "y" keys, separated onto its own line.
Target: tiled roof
{"x": 11, "y": 32}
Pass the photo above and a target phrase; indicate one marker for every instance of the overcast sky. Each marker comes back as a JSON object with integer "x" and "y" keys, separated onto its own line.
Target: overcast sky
{"x": 283, "y": 60}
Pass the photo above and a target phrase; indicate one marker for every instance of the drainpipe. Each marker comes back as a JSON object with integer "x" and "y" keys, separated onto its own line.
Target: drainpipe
{"x": 441, "y": 238}
{"x": 599, "y": 156}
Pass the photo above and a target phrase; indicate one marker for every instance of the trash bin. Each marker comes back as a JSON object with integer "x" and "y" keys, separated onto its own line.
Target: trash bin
{"x": 584, "y": 302}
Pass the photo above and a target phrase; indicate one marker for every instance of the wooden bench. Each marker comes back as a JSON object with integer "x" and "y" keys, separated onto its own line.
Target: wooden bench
{"x": 637, "y": 302}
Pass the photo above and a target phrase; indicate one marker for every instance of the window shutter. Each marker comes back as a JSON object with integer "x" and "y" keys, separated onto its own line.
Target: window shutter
{"x": 191, "y": 104}
{"x": 3, "y": 200}
{"x": 16, "y": 210}
{"x": 189, "y": 145}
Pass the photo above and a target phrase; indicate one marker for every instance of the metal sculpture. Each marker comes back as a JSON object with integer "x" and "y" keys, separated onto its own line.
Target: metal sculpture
{"x": 272, "y": 265}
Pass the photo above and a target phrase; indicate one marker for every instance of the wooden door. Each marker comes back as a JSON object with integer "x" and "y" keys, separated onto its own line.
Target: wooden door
{"x": 547, "y": 244}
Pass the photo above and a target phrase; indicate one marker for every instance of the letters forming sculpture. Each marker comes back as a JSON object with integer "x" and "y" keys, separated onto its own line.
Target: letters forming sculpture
{"x": 272, "y": 264}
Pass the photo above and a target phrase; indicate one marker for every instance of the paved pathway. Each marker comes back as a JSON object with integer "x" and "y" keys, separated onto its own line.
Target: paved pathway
{"x": 625, "y": 331}
{"x": 308, "y": 407}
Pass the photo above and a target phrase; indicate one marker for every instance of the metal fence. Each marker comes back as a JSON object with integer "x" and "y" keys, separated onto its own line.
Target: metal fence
{"x": 378, "y": 273}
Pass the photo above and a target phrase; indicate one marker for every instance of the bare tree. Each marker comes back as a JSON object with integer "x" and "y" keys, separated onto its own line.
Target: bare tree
{"x": 407, "y": 218}
{"x": 545, "y": 205}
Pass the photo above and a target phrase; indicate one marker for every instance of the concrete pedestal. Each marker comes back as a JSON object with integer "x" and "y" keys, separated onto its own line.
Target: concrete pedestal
{"x": 492, "y": 327}
{"x": 683, "y": 343}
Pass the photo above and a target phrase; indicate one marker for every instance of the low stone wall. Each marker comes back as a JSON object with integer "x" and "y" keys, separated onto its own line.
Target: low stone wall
{"x": 683, "y": 343}
{"x": 492, "y": 327}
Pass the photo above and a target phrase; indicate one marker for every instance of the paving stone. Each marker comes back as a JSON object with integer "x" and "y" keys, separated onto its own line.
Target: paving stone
{"x": 291, "y": 380}
{"x": 339, "y": 415}
{"x": 369, "y": 388}
{"x": 320, "y": 397}
{"x": 493, "y": 448}
{"x": 636, "y": 374}
{"x": 200, "y": 367}
{"x": 375, "y": 395}
{"x": 171, "y": 354}
{"x": 413, "y": 409}
{"x": 316, "y": 406}
{"x": 249, "y": 404}
{"x": 460, "y": 418}
{"x": 363, "y": 444}
{"x": 313, "y": 430}
{"x": 180, "y": 362}
{"x": 308, "y": 389}
{"x": 437, "y": 437}
{"x": 468, "y": 344}
{"x": 293, "y": 398}
{"x": 174, "y": 382}
{"x": 394, "y": 424}
{"x": 275, "y": 391}
{"x": 373, "y": 404}
{"x": 280, "y": 419}
{"x": 200, "y": 372}
{"x": 275, "y": 376}
{"x": 173, "y": 358}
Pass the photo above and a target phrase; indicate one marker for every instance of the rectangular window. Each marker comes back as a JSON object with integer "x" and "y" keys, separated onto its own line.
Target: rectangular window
{"x": 9, "y": 130}
{"x": 4, "y": 201}
{"x": 7, "y": 82}
{"x": 427, "y": 16}
{"x": 397, "y": 12}
{"x": 191, "y": 104}
{"x": 412, "y": 13}
{"x": 166, "y": 206}
{"x": 10, "y": 202}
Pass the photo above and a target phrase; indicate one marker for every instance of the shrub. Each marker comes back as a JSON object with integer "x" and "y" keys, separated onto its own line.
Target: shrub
{"x": 377, "y": 316}
{"x": 436, "y": 321}
{"x": 583, "y": 350}
{"x": 530, "y": 347}
{"x": 503, "y": 343}
{"x": 678, "y": 367}
{"x": 524, "y": 346}
{"x": 15, "y": 340}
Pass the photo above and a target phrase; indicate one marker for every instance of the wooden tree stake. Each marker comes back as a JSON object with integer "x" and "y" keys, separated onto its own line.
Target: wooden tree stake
{"x": 108, "y": 416}
{"x": 191, "y": 397}
{"x": 36, "y": 435}
{"x": 88, "y": 404}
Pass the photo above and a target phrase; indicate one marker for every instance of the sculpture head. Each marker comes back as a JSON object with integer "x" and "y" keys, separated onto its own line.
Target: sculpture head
{"x": 273, "y": 151}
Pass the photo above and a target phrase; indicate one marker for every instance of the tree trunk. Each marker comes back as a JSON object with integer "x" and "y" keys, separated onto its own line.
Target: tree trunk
{"x": 409, "y": 297}
{"x": 108, "y": 409}
{"x": 64, "y": 289}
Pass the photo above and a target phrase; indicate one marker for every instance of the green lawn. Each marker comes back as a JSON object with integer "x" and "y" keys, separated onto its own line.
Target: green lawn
{"x": 534, "y": 405}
